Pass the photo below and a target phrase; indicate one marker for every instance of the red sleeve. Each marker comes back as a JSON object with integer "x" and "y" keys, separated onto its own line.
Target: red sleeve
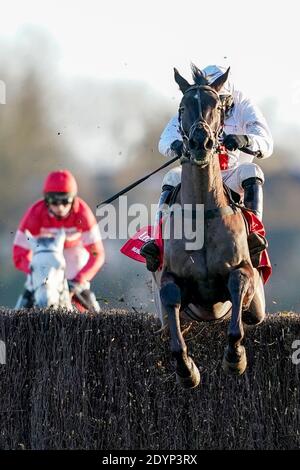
{"x": 91, "y": 239}
{"x": 94, "y": 264}
{"x": 22, "y": 258}
{"x": 21, "y": 249}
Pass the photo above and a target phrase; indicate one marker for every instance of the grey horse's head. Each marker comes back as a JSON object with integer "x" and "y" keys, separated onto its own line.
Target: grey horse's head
{"x": 48, "y": 270}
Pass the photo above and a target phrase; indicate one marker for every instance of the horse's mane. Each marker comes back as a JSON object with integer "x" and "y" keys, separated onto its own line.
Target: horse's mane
{"x": 198, "y": 76}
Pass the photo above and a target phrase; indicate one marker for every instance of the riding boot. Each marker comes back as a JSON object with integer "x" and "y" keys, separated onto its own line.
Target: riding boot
{"x": 25, "y": 300}
{"x": 88, "y": 299}
{"x": 253, "y": 199}
{"x": 150, "y": 250}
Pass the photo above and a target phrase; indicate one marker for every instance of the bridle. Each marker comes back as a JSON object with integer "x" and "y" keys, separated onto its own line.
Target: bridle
{"x": 214, "y": 135}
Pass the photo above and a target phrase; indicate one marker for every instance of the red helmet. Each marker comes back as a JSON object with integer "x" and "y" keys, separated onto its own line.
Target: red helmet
{"x": 61, "y": 181}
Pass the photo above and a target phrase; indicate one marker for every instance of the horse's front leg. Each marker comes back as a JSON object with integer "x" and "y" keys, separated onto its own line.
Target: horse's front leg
{"x": 240, "y": 285}
{"x": 186, "y": 371}
{"x": 257, "y": 309}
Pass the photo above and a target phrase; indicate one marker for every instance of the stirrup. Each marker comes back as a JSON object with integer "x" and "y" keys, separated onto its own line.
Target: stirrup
{"x": 88, "y": 300}
{"x": 150, "y": 252}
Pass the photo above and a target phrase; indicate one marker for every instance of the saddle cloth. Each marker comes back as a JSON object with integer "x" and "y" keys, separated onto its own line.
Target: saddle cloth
{"x": 133, "y": 246}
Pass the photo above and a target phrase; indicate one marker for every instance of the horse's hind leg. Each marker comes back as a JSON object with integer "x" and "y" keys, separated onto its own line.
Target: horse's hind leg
{"x": 235, "y": 360}
{"x": 257, "y": 310}
{"x": 187, "y": 373}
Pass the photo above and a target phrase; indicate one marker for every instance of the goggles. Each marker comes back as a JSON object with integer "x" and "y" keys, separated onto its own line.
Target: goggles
{"x": 56, "y": 200}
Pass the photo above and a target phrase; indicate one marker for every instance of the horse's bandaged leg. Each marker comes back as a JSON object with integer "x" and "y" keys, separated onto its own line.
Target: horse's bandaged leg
{"x": 170, "y": 295}
{"x": 241, "y": 287}
{"x": 162, "y": 315}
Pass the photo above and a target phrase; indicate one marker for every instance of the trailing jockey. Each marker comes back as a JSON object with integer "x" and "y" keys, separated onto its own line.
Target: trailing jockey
{"x": 244, "y": 128}
{"x": 83, "y": 249}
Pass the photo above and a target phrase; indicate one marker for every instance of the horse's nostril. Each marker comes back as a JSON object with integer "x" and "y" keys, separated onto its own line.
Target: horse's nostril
{"x": 192, "y": 144}
{"x": 208, "y": 144}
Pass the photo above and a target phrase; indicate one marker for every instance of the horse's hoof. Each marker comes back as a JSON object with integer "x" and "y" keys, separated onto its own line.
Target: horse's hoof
{"x": 238, "y": 367}
{"x": 192, "y": 380}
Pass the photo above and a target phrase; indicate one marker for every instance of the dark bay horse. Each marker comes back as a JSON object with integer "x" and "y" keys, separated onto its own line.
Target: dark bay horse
{"x": 221, "y": 270}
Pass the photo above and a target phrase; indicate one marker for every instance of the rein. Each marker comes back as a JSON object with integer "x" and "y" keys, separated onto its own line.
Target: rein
{"x": 133, "y": 185}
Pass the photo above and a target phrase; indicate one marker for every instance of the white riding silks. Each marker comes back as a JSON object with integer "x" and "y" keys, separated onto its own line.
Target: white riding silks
{"x": 244, "y": 118}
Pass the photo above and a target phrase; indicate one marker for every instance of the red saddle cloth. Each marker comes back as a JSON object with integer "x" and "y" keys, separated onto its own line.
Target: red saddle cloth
{"x": 132, "y": 247}
{"x": 256, "y": 226}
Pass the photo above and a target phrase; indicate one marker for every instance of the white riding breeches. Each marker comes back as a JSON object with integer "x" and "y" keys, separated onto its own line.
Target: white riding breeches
{"x": 76, "y": 258}
{"x": 233, "y": 177}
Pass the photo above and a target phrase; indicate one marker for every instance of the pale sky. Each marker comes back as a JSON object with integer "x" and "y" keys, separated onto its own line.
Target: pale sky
{"x": 143, "y": 40}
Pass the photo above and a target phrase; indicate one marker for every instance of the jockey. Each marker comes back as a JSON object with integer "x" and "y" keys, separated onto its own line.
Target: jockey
{"x": 83, "y": 250}
{"x": 244, "y": 128}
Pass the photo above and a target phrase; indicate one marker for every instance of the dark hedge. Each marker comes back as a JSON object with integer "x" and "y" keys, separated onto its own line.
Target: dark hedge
{"x": 76, "y": 381}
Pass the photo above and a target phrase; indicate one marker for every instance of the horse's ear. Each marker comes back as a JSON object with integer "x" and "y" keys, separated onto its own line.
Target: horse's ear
{"x": 60, "y": 238}
{"x": 181, "y": 82}
{"x": 220, "y": 81}
{"x": 198, "y": 76}
{"x": 31, "y": 240}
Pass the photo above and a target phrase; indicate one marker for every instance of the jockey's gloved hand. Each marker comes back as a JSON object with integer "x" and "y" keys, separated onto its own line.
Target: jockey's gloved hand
{"x": 177, "y": 147}
{"x": 234, "y": 142}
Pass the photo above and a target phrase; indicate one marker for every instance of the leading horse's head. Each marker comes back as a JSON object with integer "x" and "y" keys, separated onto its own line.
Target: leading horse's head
{"x": 48, "y": 270}
{"x": 201, "y": 114}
